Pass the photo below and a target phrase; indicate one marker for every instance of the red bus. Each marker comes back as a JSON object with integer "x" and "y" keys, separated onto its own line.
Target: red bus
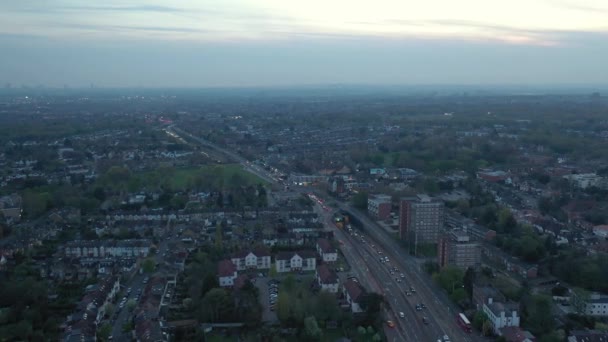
{"x": 464, "y": 322}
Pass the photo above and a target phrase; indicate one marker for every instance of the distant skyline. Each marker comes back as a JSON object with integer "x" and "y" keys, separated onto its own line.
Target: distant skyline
{"x": 189, "y": 43}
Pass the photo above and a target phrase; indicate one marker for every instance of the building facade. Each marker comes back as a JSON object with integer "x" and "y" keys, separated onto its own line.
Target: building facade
{"x": 226, "y": 273}
{"x": 379, "y": 207}
{"x": 328, "y": 253}
{"x": 353, "y": 293}
{"x": 327, "y": 279}
{"x": 420, "y": 219}
{"x": 295, "y": 261}
{"x": 501, "y": 315}
{"x": 258, "y": 258}
{"x": 455, "y": 248}
{"x": 107, "y": 248}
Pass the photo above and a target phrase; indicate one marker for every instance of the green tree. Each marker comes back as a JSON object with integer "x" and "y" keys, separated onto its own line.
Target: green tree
{"x": 148, "y": 265}
{"x": 216, "y": 306}
{"x": 372, "y": 303}
{"x": 469, "y": 280}
{"x": 311, "y": 328}
{"x": 219, "y": 241}
{"x": 506, "y": 221}
{"x": 104, "y": 331}
{"x": 539, "y": 318}
{"x": 479, "y": 319}
{"x": 284, "y": 305}
{"x": 359, "y": 200}
{"x": 131, "y": 304}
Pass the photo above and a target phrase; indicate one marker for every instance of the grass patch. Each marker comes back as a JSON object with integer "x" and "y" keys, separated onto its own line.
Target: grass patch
{"x": 332, "y": 335}
{"x": 220, "y": 338}
{"x": 208, "y": 177}
{"x": 228, "y": 175}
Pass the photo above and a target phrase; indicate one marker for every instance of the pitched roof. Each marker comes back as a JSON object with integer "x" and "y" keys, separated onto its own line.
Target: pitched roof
{"x": 325, "y": 246}
{"x": 588, "y": 336}
{"x": 240, "y": 281}
{"x": 516, "y": 334}
{"x": 288, "y": 255}
{"x": 354, "y": 290}
{"x": 497, "y": 308}
{"x": 326, "y": 275}
{"x": 258, "y": 252}
{"x": 226, "y": 268}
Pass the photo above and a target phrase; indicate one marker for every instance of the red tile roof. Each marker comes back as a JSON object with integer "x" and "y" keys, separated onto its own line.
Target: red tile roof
{"x": 326, "y": 275}
{"x": 226, "y": 268}
{"x": 354, "y": 290}
{"x": 325, "y": 246}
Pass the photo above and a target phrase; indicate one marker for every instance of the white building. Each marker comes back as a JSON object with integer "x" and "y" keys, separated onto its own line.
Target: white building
{"x": 597, "y": 305}
{"x": 501, "y": 315}
{"x": 353, "y": 292}
{"x": 295, "y": 261}
{"x": 107, "y": 248}
{"x": 601, "y": 231}
{"x": 585, "y": 180}
{"x": 327, "y": 252}
{"x": 226, "y": 273}
{"x": 327, "y": 279}
{"x": 258, "y": 258}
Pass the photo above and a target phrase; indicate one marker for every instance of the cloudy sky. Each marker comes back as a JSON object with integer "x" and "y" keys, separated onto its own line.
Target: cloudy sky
{"x": 289, "y": 42}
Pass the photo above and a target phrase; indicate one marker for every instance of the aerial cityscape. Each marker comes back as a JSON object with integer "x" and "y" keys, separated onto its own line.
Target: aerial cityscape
{"x": 328, "y": 171}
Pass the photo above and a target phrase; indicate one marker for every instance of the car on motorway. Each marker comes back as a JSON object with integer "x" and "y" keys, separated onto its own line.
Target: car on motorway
{"x": 412, "y": 290}
{"x": 398, "y": 280}
{"x": 390, "y": 324}
{"x": 418, "y": 308}
{"x": 425, "y": 320}
{"x": 408, "y": 293}
{"x": 446, "y": 338}
{"x": 401, "y": 314}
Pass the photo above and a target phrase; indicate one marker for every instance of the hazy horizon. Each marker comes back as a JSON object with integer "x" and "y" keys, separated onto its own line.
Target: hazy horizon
{"x": 240, "y": 43}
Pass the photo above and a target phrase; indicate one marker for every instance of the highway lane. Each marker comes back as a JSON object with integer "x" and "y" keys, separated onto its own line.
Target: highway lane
{"x": 431, "y": 295}
{"x": 385, "y": 283}
{"x": 362, "y": 268}
{"x": 376, "y": 278}
{"x": 430, "y": 331}
{"x": 442, "y": 311}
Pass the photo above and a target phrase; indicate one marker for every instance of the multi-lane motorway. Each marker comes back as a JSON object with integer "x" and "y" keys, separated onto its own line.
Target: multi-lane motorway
{"x": 441, "y": 311}
{"x": 363, "y": 252}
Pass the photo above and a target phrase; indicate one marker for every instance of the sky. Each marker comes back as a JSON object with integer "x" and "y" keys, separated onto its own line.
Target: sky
{"x": 204, "y": 43}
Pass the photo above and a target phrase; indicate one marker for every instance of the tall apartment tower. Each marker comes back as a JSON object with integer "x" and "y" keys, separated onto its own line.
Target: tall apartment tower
{"x": 455, "y": 248}
{"x": 420, "y": 219}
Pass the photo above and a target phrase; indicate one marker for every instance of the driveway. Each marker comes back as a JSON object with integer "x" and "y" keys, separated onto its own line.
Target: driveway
{"x": 267, "y": 316}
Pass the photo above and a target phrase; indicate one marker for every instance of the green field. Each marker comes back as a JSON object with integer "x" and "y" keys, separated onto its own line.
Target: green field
{"x": 227, "y": 175}
{"x": 209, "y": 177}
